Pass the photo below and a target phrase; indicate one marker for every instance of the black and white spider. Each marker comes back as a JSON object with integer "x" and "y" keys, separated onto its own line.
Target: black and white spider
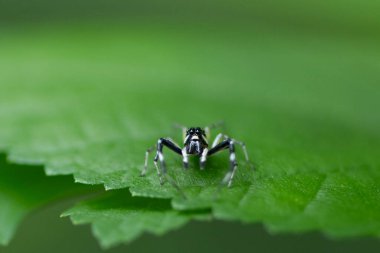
{"x": 195, "y": 141}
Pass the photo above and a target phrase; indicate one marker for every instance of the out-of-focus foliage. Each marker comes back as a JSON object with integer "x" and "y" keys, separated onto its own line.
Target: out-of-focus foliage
{"x": 24, "y": 189}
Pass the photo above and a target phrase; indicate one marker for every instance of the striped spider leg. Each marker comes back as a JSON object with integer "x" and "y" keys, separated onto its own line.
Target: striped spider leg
{"x": 222, "y": 142}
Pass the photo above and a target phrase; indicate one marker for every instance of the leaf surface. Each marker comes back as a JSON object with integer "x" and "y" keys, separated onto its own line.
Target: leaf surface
{"x": 117, "y": 217}
{"x": 89, "y": 100}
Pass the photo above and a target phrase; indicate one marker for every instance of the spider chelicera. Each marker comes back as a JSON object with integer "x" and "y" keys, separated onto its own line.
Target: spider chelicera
{"x": 195, "y": 141}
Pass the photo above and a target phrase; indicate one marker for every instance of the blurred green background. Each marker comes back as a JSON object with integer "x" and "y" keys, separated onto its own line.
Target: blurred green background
{"x": 293, "y": 51}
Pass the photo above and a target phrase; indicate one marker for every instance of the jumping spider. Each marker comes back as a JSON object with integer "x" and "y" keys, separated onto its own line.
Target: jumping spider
{"x": 196, "y": 143}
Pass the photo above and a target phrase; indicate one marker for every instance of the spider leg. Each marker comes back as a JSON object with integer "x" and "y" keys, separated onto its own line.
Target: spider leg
{"x": 242, "y": 144}
{"x": 228, "y": 143}
{"x": 203, "y": 158}
{"x": 183, "y": 128}
{"x": 160, "y": 157}
{"x": 218, "y": 138}
{"x": 213, "y": 126}
{"x": 185, "y": 159}
{"x": 158, "y": 172}
{"x": 143, "y": 172}
{"x": 145, "y": 169}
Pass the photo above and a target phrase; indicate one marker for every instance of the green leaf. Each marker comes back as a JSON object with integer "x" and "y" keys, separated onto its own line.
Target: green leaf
{"x": 24, "y": 189}
{"x": 115, "y": 216}
{"x": 118, "y": 218}
{"x": 88, "y": 100}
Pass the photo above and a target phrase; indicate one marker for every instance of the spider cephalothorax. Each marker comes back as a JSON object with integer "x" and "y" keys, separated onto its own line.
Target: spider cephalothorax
{"x": 196, "y": 143}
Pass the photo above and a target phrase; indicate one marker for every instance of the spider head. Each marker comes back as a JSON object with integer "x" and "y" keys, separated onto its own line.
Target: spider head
{"x": 195, "y": 140}
{"x": 195, "y": 131}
